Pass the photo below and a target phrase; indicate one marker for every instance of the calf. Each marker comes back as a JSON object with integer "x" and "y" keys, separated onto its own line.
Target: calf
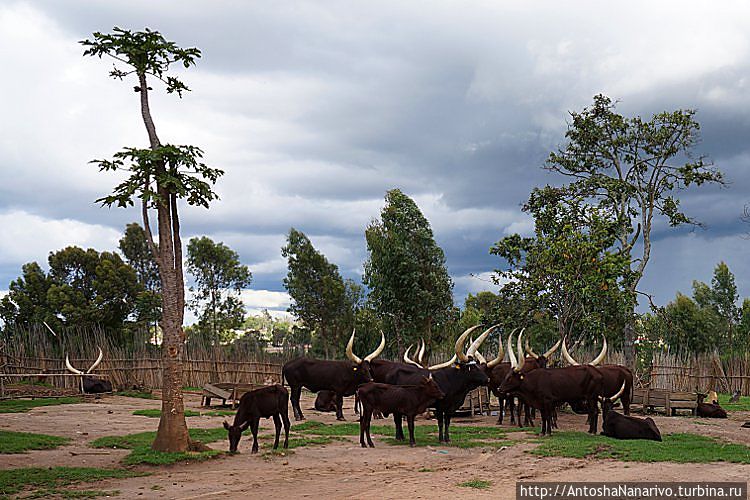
{"x": 325, "y": 401}
{"x": 271, "y": 401}
{"x": 712, "y": 409}
{"x": 620, "y": 426}
{"x": 397, "y": 399}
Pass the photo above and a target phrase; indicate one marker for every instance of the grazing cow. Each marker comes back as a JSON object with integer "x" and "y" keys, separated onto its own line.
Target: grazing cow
{"x": 712, "y": 409}
{"x": 614, "y": 377}
{"x": 270, "y": 401}
{"x": 341, "y": 377}
{"x": 404, "y": 400}
{"x": 544, "y": 389}
{"x": 90, "y": 384}
{"x": 455, "y": 378}
{"x": 325, "y": 401}
{"x": 620, "y": 426}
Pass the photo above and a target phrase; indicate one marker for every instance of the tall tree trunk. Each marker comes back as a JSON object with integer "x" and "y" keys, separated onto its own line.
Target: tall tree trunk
{"x": 172, "y": 435}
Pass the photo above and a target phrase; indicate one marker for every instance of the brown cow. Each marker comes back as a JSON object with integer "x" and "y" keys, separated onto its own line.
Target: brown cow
{"x": 271, "y": 401}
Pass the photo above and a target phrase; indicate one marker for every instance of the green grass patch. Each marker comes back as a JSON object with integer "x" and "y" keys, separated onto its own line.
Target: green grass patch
{"x": 479, "y": 484}
{"x": 426, "y": 469}
{"x": 44, "y": 480}
{"x": 136, "y": 394}
{"x": 22, "y": 405}
{"x": 742, "y": 405}
{"x": 425, "y": 435}
{"x": 19, "y": 442}
{"x": 192, "y": 389}
{"x": 58, "y": 493}
{"x": 153, "y": 413}
{"x": 142, "y": 453}
{"x": 219, "y": 413}
{"x": 680, "y": 448}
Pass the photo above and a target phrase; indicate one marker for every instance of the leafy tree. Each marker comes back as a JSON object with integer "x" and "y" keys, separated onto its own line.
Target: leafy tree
{"x": 632, "y": 169}
{"x": 566, "y": 268}
{"x": 26, "y": 303}
{"x": 722, "y": 298}
{"x": 219, "y": 278}
{"x": 158, "y": 177}
{"x": 484, "y": 303}
{"x": 406, "y": 273}
{"x": 134, "y": 246}
{"x": 319, "y": 294}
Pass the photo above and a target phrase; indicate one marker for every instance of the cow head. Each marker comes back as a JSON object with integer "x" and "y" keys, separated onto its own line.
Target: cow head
{"x": 516, "y": 375}
{"x": 466, "y": 362}
{"x": 90, "y": 383}
{"x": 542, "y": 359}
{"x": 594, "y": 362}
{"x": 235, "y": 433}
{"x": 361, "y": 367}
{"x": 430, "y": 388}
{"x": 608, "y": 403}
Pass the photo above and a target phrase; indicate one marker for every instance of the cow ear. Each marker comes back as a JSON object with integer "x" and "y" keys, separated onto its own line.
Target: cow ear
{"x": 226, "y": 425}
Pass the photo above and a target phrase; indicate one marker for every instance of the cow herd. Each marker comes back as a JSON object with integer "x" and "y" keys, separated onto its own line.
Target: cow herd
{"x": 409, "y": 388}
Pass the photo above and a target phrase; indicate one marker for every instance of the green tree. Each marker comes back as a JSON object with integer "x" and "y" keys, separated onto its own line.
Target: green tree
{"x": 633, "y": 169}
{"x": 406, "y": 273}
{"x": 319, "y": 294}
{"x": 219, "y": 278}
{"x": 158, "y": 177}
{"x": 722, "y": 298}
{"x": 566, "y": 268}
{"x": 134, "y": 247}
{"x": 26, "y": 303}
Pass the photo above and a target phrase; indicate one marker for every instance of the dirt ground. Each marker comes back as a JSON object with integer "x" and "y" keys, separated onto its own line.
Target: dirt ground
{"x": 342, "y": 469}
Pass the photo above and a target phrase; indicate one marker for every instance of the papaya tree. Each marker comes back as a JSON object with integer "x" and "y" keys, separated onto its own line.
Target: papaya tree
{"x": 157, "y": 178}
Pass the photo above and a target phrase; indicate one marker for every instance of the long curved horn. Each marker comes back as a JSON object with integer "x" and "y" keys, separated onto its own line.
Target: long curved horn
{"x": 529, "y": 351}
{"x": 70, "y": 367}
{"x": 461, "y": 342}
{"x": 619, "y": 393}
{"x": 552, "y": 349}
{"x": 408, "y": 360}
{"x": 522, "y": 360}
{"x": 444, "y": 365}
{"x": 420, "y": 356}
{"x": 479, "y": 341}
{"x": 500, "y": 354}
{"x": 478, "y": 356}
{"x": 349, "y": 353}
{"x": 567, "y": 355}
{"x": 374, "y": 354}
{"x": 98, "y": 360}
{"x": 511, "y": 354}
{"x": 602, "y": 354}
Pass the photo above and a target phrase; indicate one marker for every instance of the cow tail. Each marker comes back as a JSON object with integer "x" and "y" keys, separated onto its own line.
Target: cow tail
{"x": 282, "y": 377}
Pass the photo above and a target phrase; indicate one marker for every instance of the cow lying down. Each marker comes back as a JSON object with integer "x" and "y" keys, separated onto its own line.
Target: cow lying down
{"x": 409, "y": 400}
{"x": 710, "y": 409}
{"x": 620, "y": 426}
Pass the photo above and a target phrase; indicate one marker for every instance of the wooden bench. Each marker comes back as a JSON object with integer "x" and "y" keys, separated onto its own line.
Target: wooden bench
{"x": 226, "y": 391}
{"x": 669, "y": 400}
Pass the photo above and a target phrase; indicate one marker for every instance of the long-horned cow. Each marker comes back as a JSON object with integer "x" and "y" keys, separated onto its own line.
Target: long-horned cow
{"x": 544, "y": 389}
{"x": 89, "y": 383}
{"x": 624, "y": 427}
{"x": 341, "y": 377}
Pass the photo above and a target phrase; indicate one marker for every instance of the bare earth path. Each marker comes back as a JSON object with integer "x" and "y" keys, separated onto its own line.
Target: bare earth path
{"x": 342, "y": 469}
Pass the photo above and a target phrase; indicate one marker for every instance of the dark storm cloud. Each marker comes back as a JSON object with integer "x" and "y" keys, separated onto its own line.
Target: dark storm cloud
{"x": 315, "y": 110}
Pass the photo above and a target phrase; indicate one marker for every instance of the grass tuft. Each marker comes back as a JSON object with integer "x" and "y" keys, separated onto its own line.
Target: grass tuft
{"x": 22, "y": 405}
{"x": 680, "y": 448}
{"x": 479, "y": 484}
{"x": 19, "y": 442}
{"x": 742, "y": 405}
{"x": 136, "y": 394}
{"x": 46, "y": 480}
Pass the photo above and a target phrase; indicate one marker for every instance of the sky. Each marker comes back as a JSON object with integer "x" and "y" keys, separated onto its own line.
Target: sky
{"x": 315, "y": 109}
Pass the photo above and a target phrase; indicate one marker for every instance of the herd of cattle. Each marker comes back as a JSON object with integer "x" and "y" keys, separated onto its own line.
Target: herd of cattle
{"x": 409, "y": 388}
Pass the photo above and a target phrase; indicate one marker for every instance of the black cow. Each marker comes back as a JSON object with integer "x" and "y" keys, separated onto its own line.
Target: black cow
{"x": 89, "y": 383}
{"x": 325, "y": 401}
{"x": 544, "y": 389}
{"x": 271, "y": 401}
{"x": 620, "y": 426}
{"x": 341, "y": 377}
{"x": 455, "y": 378}
{"x": 712, "y": 409}
{"x": 404, "y": 400}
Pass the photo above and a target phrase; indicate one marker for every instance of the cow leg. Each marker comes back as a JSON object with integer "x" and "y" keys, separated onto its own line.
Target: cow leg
{"x": 340, "y": 407}
{"x": 363, "y": 426}
{"x": 410, "y": 423}
{"x": 296, "y": 391}
{"x": 398, "y": 422}
{"x": 277, "y": 424}
{"x": 528, "y": 416}
{"x": 447, "y": 435}
{"x": 593, "y": 416}
{"x": 501, "y": 409}
{"x": 367, "y": 429}
{"x": 511, "y": 406}
{"x": 519, "y": 407}
{"x": 625, "y": 400}
{"x": 439, "y": 415}
{"x": 356, "y": 404}
{"x": 254, "y": 430}
{"x": 285, "y": 419}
